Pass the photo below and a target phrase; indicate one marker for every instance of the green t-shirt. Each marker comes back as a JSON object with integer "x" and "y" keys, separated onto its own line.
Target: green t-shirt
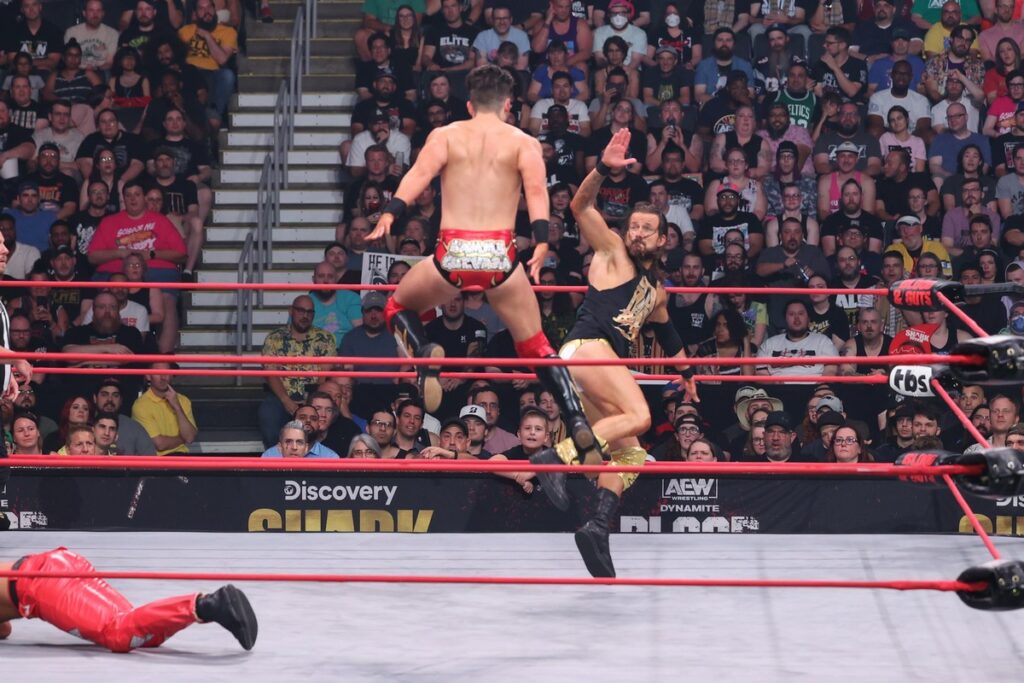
{"x": 931, "y": 10}
{"x": 385, "y": 10}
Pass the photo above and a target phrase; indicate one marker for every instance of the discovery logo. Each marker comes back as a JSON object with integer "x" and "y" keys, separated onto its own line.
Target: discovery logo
{"x": 300, "y": 490}
{"x": 690, "y": 489}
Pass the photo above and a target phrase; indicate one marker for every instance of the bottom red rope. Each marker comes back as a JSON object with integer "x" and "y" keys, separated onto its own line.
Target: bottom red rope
{"x": 508, "y": 580}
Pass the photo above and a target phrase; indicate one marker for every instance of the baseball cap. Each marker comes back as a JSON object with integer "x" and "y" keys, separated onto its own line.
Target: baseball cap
{"x": 830, "y": 418}
{"x": 454, "y": 421}
{"x": 775, "y": 27}
{"x": 853, "y": 225}
{"x": 622, "y": 3}
{"x": 900, "y": 33}
{"x": 744, "y": 392}
{"x": 473, "y": 411}
{"x": 829, "y": 403}
{"x": 63, "y": 249}
{"x": 667, "y": 48}
{"x": 726, "y": 187}
{"x": 908, "y": 220}
{"x": 385, "y": 73}
{"x": 163, "y": 150}
{"x": 787, "y": 147}
{"x": 847, "y": 147}
{"x": 374, "y": 300}
{"x": 51, "y": 146}
{"x": 778, "y": 418}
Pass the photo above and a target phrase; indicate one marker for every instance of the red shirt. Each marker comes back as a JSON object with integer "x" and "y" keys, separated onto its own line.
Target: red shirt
{"x": 148, "y": 232}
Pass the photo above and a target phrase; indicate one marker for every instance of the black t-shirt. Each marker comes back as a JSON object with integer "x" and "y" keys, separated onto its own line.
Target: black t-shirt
{"x": 685, "y": 192}
{"x": 718, "y": 114}
{"x": 453, "y": 46}
{"x": 27, "y": 116}
{"x": 189, "y": 155}
{"x": 398, "y": 109}
{"x": 68, "y": 298}
{"x": 141, "y": 40}
{"x": 855, "y": 69}
{"x": 161, "y": 21}
{"x": 47, "y": 40}
{"x": 894, "y": 195}
{"x": 86, "y": 335}
{"x": 1003, "y": 147}
{"x": 390, "y": 184}
{"x": 834, "y": 225}
{"x": 178, "y": 196}
{"x": 667, "y": 86}
{"x": 127, "y": 147}
{"x": 84, "y": 225}
{"x": 456, "y": 109}
{"x": 563, "y": 165}
{"x": 55, "y": 190}
{"x": 716, "y": 226}
{"x": 832, "y": 321}
{"x": 600, "y": 138}
{"x": 159, "y": 106}
{"x": 12, "y": 136}
{"x": 366, "y": 72}
{"x": 456, "y": 342}
{"x": 683, "y": 43}
{"x": 616, "y": 197}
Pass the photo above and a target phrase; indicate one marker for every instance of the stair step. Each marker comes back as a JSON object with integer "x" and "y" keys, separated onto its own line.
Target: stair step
{"x": 280, "y": 46}
{"x": 235, "y": 234}
{"x": 324, "y": 139}
{"x": 265, "y": 120}
{"x": 284, "y": 256}
{"x": 276, "y": 276}
{"x": 326, "y": 100}
{"x": 296, "y": 157}
{"x": 221, "y": 339}
{"x": 326, "y": 28}
{"x": 286, "y": 11}
{"x": 201, "y": 300}
{"x": 251, "y": 176}
{"x": 276, "y": 66}
{"x": 289, "y": 216}
{"x": 267, "y": 82}
{"x": 273, "y": 317}
{"x": 308, "y": 197}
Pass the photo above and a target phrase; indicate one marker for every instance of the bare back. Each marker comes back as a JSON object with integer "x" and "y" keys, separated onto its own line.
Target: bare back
{"x": 481, "y": 181}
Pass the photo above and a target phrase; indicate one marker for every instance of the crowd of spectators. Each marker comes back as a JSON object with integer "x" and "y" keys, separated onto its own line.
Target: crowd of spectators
{"x": 108, "y": 127}
{"x": 794, "y": 144}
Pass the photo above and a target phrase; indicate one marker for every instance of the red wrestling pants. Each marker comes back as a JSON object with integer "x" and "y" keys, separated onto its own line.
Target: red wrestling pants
{"x": 91, "y": 609}
{"x": 475, "y": 258}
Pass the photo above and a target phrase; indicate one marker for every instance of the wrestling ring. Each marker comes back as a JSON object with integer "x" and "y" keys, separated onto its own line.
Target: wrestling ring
{"x": 453, "y": 607}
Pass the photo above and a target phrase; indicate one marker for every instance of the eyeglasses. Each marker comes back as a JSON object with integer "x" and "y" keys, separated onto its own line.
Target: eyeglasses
{"x": 362, "y": 452}
{"x": 844, "y": 440}
{"x": 303, "y": 311}
{"x": 381, "y": 423}
{"x": 689, "y": 430}
{"x": 757, "y": 439}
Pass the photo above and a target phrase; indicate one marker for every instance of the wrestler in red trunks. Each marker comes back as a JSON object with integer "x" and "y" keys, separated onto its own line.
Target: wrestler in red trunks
{"x": 91, "y": 609}
{"x": 485, "y": 166}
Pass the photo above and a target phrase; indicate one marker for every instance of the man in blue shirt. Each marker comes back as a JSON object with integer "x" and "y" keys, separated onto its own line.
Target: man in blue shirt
{"x": 295, "y": 438}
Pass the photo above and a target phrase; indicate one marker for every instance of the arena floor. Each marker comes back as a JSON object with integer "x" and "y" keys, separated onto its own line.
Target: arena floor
{"x": 447, "y": 633}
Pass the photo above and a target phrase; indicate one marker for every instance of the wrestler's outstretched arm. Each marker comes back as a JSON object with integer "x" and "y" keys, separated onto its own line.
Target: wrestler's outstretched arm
{"x": 591, "y": 224}
{"x": 432, "y": 158}
{"x": 538, "y": 204}
{"x": 668, "y": 337}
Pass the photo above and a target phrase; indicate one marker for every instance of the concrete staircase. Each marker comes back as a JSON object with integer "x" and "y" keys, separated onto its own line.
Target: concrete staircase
{"x": 311, "y": 206}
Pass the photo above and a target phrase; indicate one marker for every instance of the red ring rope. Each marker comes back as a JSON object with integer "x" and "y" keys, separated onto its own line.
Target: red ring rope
{"x": 964, "y": 318}
{"x": 152, "y": 462}
{"x": 933, "y": 585}
{"x": 900, "y": 359}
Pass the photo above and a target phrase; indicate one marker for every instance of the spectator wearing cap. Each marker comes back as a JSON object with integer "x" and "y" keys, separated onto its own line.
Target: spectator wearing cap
{"x": 1005, "y": 26}
{"x": 561, "y": 95}
{"x": 872, "y": 39}
{"x": 686, "y": 430}
{"x": 180, "y": 204}
{"x": 618, "y": 21}
{"x": 475, "y": 419}
{"x": 797, "y": 341}
{"x": 381, "y": 61}
{"x": 209, "y": 47}
{"x": 32, "y": 220}
{"x": 848, "y": 130}
{"x": 832, "y": 185}
{"x": 62, "y": 266}
{"x": 852, "y": 212}
{"x": 712, "y": 72}
{"x": 379, "y": 132}
{"x": 790, "y": 194}
{"x": 879, "y": 73}
{"x": 828, "y": 423}
{"x": 298, "y": 338}
{"x": 487, "y": 42}
{"x": 779, "y": 129}
{"x": 913, "y": 243}
{"x": 747, "y": 401}
{"x": 716, "y": 226}
{"x": 498, "y": 439}
{"x": 916, "y": 105}
{"x": 371, "y": 339}
{"x": 452, "y": 442}
{"x": 770, "y": 69}
{"x": 132, "y": 438}
{"x": 191, "y": 158}
{"x": 780, "y": 443}
{"x": 668, "y": 80}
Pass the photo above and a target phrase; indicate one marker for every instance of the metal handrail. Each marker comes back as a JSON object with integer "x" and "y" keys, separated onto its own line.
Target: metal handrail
{"x": 243, "y": 298}
{"x": 258, "y": 253}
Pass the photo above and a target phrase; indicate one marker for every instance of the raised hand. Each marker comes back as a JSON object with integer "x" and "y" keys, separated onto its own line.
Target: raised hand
{"x": 614, "y": 155}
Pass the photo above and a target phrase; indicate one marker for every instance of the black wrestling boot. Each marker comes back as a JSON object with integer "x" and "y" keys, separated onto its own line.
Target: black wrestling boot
{"x": 592, "y": 537}
{"x": 229, "y": 607}
{"x": 410, "y": 333}
{"x": 557, "y": 380}
{"x": 552, "y": 483}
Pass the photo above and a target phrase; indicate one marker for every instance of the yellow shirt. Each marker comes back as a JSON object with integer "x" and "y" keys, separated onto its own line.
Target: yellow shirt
{"x": 157, "y": 416}
{"x": 936, "y": 40}
{"x": 927, "y": 245}
{"x": 197, "y": 52}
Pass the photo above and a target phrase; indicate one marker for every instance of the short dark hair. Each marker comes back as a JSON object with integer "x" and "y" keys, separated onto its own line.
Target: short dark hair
{"x": 489, "y": 86}
{"x": 532, "y": 411}
{"x": 414, "y": 402}
{"x": 648, "y": 208}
